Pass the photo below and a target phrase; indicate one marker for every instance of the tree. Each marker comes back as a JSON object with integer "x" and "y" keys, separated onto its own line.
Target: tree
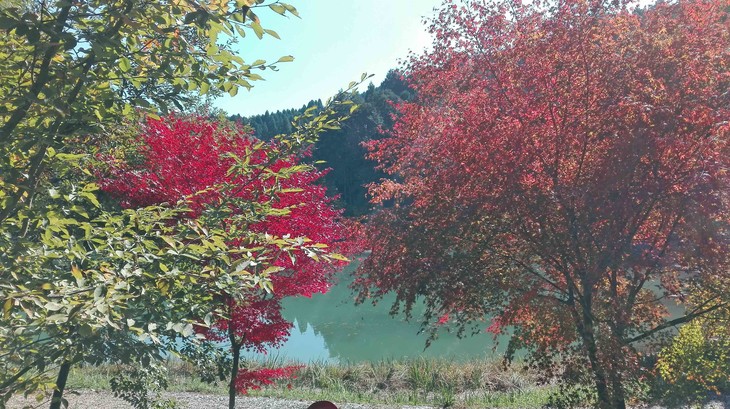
{"x": 191, "y": 156}
{"x": 87, "y": 282}
{"x": 81, "y": 283}
{"x": 84, "y": 281}
{"x": 562, "y": 171}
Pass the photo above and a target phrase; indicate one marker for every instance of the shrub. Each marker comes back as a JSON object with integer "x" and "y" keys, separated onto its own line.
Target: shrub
{"x": 696, "y": 363}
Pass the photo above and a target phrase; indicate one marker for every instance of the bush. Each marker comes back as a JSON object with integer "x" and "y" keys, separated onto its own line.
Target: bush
{"x": 695, "y": 364}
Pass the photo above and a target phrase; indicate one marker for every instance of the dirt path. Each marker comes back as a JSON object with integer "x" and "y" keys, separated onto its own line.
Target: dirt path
{"x": 104, "y": 400}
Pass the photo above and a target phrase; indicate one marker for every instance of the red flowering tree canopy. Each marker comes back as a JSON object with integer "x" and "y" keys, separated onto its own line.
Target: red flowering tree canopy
{"x": 563, "y": 170}
{"x": 210, "y": 165}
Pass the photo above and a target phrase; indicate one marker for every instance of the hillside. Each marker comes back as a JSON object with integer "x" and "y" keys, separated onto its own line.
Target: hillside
{"x": 342, "y": 151}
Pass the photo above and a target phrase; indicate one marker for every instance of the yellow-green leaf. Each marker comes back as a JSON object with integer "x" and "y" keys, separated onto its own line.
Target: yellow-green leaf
{"x": 76, "y": 272}
{"x": 257, "y": 29}
{"x": 7, "y": 306}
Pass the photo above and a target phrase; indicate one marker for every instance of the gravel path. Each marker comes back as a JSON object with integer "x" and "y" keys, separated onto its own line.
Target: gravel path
{"x": 104, "y": 400}
{"x": 189, "y": 400}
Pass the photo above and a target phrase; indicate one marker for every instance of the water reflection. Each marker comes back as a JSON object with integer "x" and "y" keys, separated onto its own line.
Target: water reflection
{"x": 329, "y": 327}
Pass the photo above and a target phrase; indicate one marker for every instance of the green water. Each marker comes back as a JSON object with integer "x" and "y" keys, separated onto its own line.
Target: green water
{"x": 329, "y": 327}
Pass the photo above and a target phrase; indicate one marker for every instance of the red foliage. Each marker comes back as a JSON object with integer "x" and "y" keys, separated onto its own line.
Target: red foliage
{"x": 257, "y": 324}
{"x": 254, "y": 380}
{"x": 561, "y": 160}
{"x": 179, "y": 157}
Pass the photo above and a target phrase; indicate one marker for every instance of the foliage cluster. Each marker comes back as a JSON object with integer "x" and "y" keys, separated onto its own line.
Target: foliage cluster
{"x": 695, "y": 364}
{"x": 71, "y": 69}
{"x": 141, "y": 386}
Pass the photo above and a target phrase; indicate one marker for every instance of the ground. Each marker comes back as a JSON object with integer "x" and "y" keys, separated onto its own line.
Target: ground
{"x": 104, "y": 400}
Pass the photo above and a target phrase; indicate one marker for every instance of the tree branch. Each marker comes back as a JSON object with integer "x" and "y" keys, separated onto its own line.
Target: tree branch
{"x": 677, "y": 321}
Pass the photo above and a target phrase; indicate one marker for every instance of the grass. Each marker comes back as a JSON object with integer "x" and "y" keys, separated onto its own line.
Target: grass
{"x": 441, "y": 383}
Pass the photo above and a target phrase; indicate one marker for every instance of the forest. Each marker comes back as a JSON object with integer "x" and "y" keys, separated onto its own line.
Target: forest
{"x": 342, "y": 151}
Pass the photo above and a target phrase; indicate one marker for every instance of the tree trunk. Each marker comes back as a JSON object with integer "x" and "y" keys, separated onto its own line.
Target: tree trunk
{"x": 236, "y": 351}
{"x": 599, "y": 374}
{"x": 57, "y": 397}
{"x": 617, "y": 392}
{"x": 607, "y": 376}
{"x": 586, "y": 330}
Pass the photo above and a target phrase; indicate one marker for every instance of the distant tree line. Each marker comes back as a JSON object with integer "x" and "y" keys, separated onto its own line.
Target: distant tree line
{"x": 270, "y": 124}
{"x": 341, "y": 151}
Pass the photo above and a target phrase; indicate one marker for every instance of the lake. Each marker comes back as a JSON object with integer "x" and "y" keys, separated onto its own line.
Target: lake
{"x": 330, "y": 327}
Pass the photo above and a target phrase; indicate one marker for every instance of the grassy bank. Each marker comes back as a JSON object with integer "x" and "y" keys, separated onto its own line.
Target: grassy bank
{"x": 441, "y": 383}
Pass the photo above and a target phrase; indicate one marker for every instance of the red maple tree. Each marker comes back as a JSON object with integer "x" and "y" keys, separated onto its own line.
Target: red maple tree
{"x": 188, "y": 158}
{"x": 563, "y": 171}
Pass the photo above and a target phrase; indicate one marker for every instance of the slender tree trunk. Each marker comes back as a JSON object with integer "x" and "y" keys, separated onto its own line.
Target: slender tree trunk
{"x": 60, "y": 385}
{"x": 236, "y": 351}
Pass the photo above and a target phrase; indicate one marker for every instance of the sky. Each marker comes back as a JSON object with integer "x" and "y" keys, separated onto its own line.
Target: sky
{"x": 333, "y": 43}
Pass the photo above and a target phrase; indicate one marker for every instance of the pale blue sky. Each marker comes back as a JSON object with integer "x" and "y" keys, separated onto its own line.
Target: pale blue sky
{"x": 333, "y": 43}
